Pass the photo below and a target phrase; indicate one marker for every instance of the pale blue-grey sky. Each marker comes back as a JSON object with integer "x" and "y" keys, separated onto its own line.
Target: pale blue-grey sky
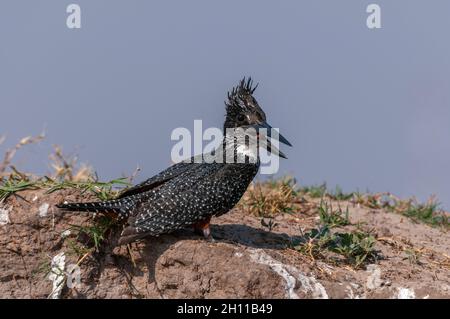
{"x": 365, "y": 109}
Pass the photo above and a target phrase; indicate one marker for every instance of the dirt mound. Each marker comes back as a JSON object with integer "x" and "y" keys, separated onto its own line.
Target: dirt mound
{"x": 39, "y": 247}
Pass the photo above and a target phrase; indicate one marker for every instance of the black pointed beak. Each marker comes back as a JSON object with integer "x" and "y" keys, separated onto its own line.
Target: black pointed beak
{"x": 272, "y": 149}
{"x": 269, "y": 134}
{"x": 269, "y": 128}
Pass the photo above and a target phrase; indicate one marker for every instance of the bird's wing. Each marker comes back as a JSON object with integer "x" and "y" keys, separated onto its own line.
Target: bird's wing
{"x": 157, "y": 180}
{"x": 182, "y": 201}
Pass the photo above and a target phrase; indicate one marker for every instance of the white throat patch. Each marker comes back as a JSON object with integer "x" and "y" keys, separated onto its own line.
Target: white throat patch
{"x": 251, "y": 152}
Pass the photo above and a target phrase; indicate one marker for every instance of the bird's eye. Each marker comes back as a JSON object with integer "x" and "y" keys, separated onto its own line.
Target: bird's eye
{"x": 240, "y": 118}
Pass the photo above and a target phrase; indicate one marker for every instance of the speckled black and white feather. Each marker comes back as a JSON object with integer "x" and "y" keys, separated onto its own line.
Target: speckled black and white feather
{"x": 187, "y": 192}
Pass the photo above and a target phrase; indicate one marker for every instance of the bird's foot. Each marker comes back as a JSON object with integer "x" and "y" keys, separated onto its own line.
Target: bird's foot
{"x": 202, "y": 228}
{"x": 207, "y": 234}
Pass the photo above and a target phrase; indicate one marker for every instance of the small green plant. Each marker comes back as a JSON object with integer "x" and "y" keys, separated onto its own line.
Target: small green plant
{"x": 332, "y": 218}
{"x": 95, "y": 232}
{"x": 320, "y": 191}
{"x": 427, "y": 213}
{"x": 338, "y": 194}
{"x": 17, "y": 183}
{"x": 270, "y": 225}
{"x": 77, "y": 249}
{"x": 13, "y": 185}
{"x": 44, "y": 268}
{"x": 315, "y": 191}
{"x": 356, "y": 246}
{"x": 103, "y": 190}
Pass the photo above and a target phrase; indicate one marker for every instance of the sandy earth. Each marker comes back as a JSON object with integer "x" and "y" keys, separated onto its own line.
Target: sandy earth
{"x": 245, "y": 261}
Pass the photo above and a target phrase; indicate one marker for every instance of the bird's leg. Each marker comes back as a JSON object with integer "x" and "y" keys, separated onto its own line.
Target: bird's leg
{"x": 202, "y": 228}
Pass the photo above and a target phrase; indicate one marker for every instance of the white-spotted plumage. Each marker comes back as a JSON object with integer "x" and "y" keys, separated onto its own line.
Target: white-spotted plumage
{"x": 192, "y": 191}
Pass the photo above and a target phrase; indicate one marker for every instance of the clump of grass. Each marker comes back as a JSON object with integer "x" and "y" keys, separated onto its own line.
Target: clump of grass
{"x": 315, "y": 191}
{"x": 10, "y": 153}
{"x": 95, "y": 233}
{"x": 13, "y": 185}
{"x": 65, "y": 167}
{"x": 339, "y": 194}
{"x": 66, "y": 174}
{"x": 354, "y": 246}
{"x": 376, "y": 201}
{"x": 321, "y": 191}
{"x": 103, "y": 190}
{"x": 267, "y": 199}
{"x": 43, "y": 268}
{"x": 11, "y": 180}
{"x": 77, "y": 249}
{"x": 332, "y": 218}
{"x": 428, "y": 212}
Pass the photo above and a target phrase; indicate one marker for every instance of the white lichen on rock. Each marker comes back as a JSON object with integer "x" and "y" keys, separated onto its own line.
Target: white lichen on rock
{"x": 57, "y": 275}
{"x": 292, "y": 276}
{"x": 43, "y": 210}
{"x": 66, "y": 233}
{"x": 4, "y": 215}
{"x": 374, "y": 279}
{"x": 351, "y": 294}
{"x": 406, "y": 293}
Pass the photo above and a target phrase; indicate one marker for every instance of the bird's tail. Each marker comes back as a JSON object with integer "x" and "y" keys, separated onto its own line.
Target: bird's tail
{"x": 93, "y": 207}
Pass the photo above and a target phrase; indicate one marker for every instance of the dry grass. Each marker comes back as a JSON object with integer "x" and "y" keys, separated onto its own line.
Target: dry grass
{"x": 10, "y": 153}
{"x": 267, "y": 199}
{"x": 64, "y": 167}
{"x": 429, "y": 212}
{"x": 65, "y": 173}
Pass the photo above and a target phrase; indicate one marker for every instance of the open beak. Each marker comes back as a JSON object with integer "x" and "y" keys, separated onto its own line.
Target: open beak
{"x": 269, "y": 128}
{"x": 271, "y": 133}
{"x": 272, "y": 148}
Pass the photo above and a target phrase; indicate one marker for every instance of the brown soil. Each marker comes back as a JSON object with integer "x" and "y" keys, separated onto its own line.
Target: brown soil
{"x": 245, "y": 261}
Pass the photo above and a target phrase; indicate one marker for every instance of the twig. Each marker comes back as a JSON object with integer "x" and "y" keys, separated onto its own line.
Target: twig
{"x": 136, "y": 171}
{"x": 9, "y": 155}
{"x": 83, "y": 258}
{"x": 131, "y": 255}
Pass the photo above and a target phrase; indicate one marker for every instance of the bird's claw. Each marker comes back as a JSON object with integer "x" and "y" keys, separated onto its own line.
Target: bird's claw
{"x": 207, "y": 235}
